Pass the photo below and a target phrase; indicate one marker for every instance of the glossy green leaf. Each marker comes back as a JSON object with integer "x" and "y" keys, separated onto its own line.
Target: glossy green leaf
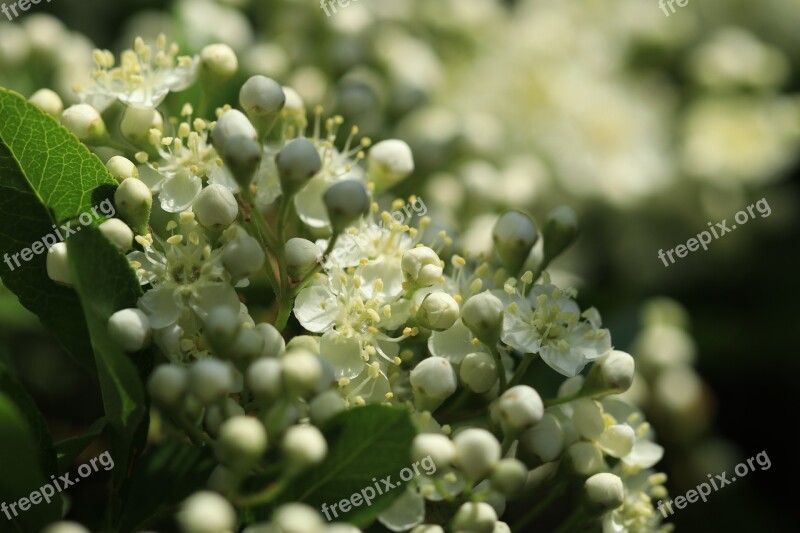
{"x": 47, "y": 177}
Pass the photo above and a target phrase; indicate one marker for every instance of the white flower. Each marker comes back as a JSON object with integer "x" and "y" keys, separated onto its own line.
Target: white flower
{"x": 184, "y": 160}
{"x": 144, "y": 77}
{"x": 549, "y": 323}
{"x": 188, "y": 281}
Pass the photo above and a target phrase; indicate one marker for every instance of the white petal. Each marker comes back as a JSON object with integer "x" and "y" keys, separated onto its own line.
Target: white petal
{"x": 211, "y": 296}
{"x": 453, "y": 344}
{"x": 645, "y": 454}
{"x": 222, "y": 176}
{"x": 178, "y": 192}
{"x": 343, "y": 353}
{"x": 315, "y": 308}
{"x": 161, "y": 307}
{"x": 568, "y": 363}
{"x": 406, "y": 512}
{"x": 310, "y": 205}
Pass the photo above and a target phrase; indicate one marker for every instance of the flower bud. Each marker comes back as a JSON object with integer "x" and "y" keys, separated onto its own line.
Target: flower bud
{"x": 167, "y": 385}
{"x": 233, "y": 123}
{"x": 218, "y": 63}
{"x": 421, "y": 266}
{"x": 520, "y": 408}
{"x": 617, "y": 440}
{"x": 478, "y": 372}
{"x": 130, "y": 329}
{"x": 509, "y": 476}
{"x": 122, "y": 168}
{"x": 545, "y": 439}
{"x": 65, "y": 527}
{"x": 243, "y": 257}
{"x": 206, "y": 512}
{"x": 475, "y": 517}
{"x": 514, "y": 235}
{"x": 261, "y": 96}
{"x": 302, "y": 256}
{"x": 611, "y": 374}
{"x": 325, "y": 406}
{"x": 501, "y": 527}
{"x": 297, "y": 163}
{"x": 433, "y": 381}
{"x": 302, "y": 372}
{"x": 58, "y": 264}
{"x": 304, "y": 446}
{"x": 48, "y": 101}
{"x": 247, "y": 347}
{"x": 605, "y": 490}
{"x": 345, "y": 202}
{"x": 477, "y": 451}
{"x": 587, "y": 459}
{"x": 483, "y": 315}
{"x": 137, "y": 122}
{"x": 560, "y": 231}
{"x": 427, "y": 528}
{"x": 297, "y": 518}
{"x": 274, "y": 344}
{"x": 264, "y": 377}
{"x": 216, "y": 415}
{"x": 438, "y": 311}
{"x": 242, "y": 155}
{"x": 389, "y": 162}
{"x": 222, "y": 326}
{"x": 210, "y": 380}
{"x": 215, "y": 207}
{"x": 309, "y": 343}
{"x": 134, "y": 200}
{"x": 85, "y": 122}
{"x": 439, "y": 448}
{"x": 118, "y": 233}
{"x": 242, "y": 441}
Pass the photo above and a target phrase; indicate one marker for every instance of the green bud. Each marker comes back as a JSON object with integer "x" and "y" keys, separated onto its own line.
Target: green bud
{"x": 438, "y": 311}
{"x": 560, "y": 231}
{"x": 134, "y": 201}
{"x": 483, "y": 315}
{"x": 86, "y": 123}
{"x": 302, "y": 256}
{"x": 297, "y": 163}
{"x": 346, "y": 201}
{"x": 242, "y": 155}
{"x": 514, "y": 235}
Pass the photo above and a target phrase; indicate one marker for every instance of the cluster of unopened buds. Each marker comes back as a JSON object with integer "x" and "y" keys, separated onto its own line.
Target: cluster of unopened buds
{"x": 390, "y": 313}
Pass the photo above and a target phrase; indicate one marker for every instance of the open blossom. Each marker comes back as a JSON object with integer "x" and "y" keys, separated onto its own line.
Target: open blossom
{"x": 143, "y": 78}
{"x": 185, "y": 159}
{"x": 549, "y": 322}
{"x": 189, "y": 280}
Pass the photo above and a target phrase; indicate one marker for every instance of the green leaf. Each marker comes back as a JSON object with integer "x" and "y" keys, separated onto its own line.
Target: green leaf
{"x": 164, "y": 477}
{"x": 22, "y": 472}
{"x": 47, "y": 177}
{"x": 68, "y": 449}
{"x": 106, "y": 284}
{"x": 365, "y": 443}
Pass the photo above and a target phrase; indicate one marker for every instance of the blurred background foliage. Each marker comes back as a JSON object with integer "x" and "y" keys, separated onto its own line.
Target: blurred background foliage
{"x": 648, "y": 126}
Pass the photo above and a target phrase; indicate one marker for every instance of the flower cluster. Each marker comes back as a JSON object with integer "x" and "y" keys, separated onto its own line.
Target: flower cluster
{"x": 385, "y": 312}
